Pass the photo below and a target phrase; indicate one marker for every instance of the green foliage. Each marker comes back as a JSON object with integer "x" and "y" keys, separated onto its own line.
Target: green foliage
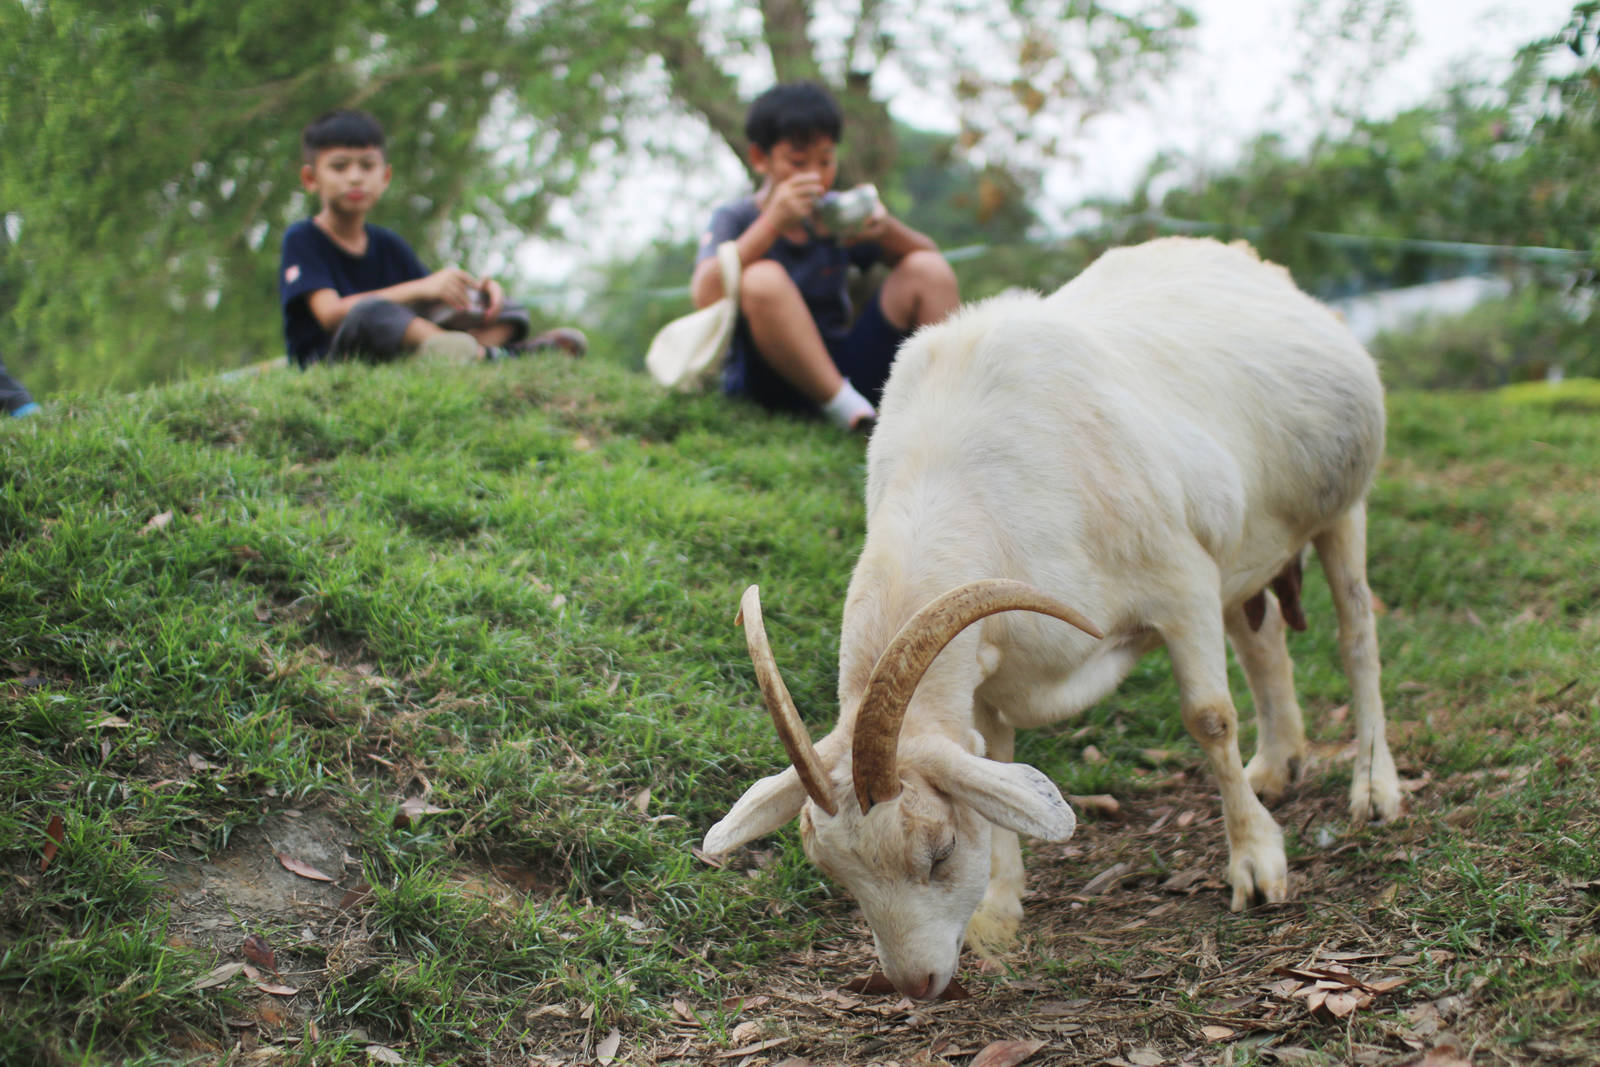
{"x": 1497, "y": 165}
{"x": 1521, "y": 337}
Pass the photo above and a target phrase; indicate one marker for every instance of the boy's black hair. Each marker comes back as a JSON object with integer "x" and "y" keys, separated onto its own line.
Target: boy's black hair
{"x": 798, "y": 112}
{"x": 340, "y": 128}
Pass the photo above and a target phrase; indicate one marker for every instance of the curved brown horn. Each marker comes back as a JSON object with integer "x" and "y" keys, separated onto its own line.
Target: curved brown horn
{"x": 796, "y": 741}
{"x": 902, "y": 665}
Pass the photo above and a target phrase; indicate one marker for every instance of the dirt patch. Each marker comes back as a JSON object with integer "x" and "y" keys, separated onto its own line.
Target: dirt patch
{"x": 1129, "y": 956}
{"x": 268, "y": 906}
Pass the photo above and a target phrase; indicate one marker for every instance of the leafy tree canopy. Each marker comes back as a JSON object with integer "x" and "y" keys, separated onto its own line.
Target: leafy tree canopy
{"x": 150, "y": 151}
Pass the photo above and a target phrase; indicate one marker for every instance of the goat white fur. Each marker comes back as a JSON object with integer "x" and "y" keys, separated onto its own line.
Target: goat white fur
{"x": 1152, "y": 444}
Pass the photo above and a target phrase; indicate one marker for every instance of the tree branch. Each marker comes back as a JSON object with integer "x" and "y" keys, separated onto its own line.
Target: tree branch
{"x": 696, "y": 79}
{"x": 787, "y": 24}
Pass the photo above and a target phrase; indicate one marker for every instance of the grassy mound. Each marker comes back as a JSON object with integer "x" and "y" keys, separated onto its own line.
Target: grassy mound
{"x": 414, "y": 691}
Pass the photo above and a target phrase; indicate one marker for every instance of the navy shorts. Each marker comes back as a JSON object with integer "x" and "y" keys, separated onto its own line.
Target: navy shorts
{"x": 863, "y": 355}
{"x": 374, "y": 330}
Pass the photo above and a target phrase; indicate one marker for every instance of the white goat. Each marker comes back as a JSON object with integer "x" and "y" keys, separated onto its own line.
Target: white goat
{"x": 1156, "y": 442}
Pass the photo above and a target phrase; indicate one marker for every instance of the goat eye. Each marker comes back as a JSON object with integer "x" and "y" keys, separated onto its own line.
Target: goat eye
{"x": 943, "y": 852}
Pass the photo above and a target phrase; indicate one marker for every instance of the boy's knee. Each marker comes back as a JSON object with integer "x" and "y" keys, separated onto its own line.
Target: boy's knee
{"x": 373, "y": 328}
{"x": 763, "y": 282}
{"x": 927, "y": 269}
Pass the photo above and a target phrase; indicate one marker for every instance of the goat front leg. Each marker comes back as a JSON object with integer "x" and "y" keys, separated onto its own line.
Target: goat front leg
{"x": 1258, "y": 869}
{"x": 994, "y": 925}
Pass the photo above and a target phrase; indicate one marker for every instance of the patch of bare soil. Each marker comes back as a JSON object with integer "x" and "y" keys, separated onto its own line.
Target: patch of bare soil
{"x": 1130, "y": 956}
{"x": 273, "y": 908}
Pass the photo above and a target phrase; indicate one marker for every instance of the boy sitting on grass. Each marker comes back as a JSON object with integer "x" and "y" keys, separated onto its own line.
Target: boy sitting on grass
{"x": 794, "y": 347}
{"x": 351, "y": 289}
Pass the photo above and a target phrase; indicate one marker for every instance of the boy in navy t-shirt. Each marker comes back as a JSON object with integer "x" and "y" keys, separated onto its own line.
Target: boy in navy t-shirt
{"x": 795, "y": 347}
{"x": 350, "y": 288}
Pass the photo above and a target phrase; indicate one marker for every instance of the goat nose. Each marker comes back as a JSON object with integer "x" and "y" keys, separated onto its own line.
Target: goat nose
{"x": 922, "y": 989}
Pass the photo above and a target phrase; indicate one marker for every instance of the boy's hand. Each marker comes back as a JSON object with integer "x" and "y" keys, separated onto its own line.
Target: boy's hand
{"x": 871, "y": 228}
{"x": 452, "y": 286}
{"x": 494, "y": 299}
{"x": 792, "y": 202}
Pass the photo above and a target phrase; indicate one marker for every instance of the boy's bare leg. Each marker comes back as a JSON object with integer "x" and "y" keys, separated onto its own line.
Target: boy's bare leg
{"x": 782, "y": 328}
{"x": 921, "y": 290}
{"x": 419, "y": 331}
{"x": 494, "y": 336}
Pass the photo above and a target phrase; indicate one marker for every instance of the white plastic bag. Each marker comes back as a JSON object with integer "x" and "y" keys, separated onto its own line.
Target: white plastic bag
{"x": 688, "y": 353}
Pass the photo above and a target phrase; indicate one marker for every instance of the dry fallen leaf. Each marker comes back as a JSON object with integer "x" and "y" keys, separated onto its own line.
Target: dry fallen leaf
{"x": 1005, "y": 1053}
{"x": 219, "y": 975}
{"x": 641, "y": 802}
{"x": 1216, "y": 1033}
{"x": 55, "y": 834}
{"x": 876, "y": 983}
{"x": 384, "y": 1054}
{"x": 1446, "y": 1052}
{"x": 751, "y": 1050}
{"x": 1104, "y": 880}
{"x": 1098, "y": 803}
{"x": 745, "y": 1032}
{"x": 606, "y": 1051}
{"x": 304, "y": 870}
{"x": 356, "y": 896}
{"x": 277, "y": 990}
{"x": 1341, "y": 1005}
{"x": 259, "y": 951}
{"x": 156, "y": 523}
{"x": 414, "y": 808}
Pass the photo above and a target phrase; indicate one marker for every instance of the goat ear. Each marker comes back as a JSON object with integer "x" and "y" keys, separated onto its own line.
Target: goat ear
{"x": 765, "y": 806}
{"x": 1013, "y": 795}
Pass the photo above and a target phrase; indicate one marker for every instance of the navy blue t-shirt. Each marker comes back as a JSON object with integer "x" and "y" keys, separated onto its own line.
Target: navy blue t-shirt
{"x": 312, "y": 261}
{"x": 819, "y": 266}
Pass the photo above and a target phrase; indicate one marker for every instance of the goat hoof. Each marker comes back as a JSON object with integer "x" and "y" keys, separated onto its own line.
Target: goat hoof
{"x": 994, "y": 926}
{"x": 1375, "y": 791}
{"x": 1259, "y": 871}
{"x": 1270, "y": 779}
{"x": 1371, "y": 804}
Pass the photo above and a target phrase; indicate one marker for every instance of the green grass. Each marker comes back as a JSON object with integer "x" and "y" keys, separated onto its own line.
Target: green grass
{"x": 515, "y": 586}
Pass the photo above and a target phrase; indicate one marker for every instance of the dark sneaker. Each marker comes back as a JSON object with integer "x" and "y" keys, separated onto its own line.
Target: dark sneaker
{"x": 564, "y": 339}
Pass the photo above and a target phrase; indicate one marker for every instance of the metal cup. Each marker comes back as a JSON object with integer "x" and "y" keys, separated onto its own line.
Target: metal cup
{"x": 844, "y": 212}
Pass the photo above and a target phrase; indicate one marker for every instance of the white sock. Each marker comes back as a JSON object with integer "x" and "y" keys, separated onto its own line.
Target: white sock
{"x": 848, "y": 407}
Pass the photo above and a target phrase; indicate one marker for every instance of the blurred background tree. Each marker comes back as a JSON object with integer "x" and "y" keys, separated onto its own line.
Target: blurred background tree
{"x": 149, "y": 157}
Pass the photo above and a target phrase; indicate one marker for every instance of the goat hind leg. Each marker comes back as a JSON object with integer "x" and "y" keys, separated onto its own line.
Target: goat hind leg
{"x": 1280, "y": 734}
{"x": 1374, "y": 785}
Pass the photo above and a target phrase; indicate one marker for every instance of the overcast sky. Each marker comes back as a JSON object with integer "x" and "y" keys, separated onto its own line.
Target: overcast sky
{"x": 1238, "y": 81}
